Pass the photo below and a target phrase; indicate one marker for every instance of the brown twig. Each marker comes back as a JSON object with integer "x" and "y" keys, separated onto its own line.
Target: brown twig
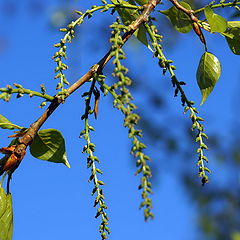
{"x": 20, "y": 149}
{"x": 190, "y": 13}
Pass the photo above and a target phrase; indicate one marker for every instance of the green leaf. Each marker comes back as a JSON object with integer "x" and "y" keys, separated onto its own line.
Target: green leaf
{"x": 180, "y": 20}
{"x": 3, "y": 201}
{"x": 6, "y": 215}
{"x": 49, "y": 145}
{"x": 141, "y": 35}
{"x": 130, "y": 15}
{"x": 232, "y": 24}
{"x": 127, "y": 15}
{"x": 6, "y": 124}
{"x": 232, "y": 35}
{"x": 235, "y": 236}
{"x": 216, "y": 22}
{"x": 208, "y": 73}
{"x": 234, "y": 41}
{"x": 141, "y": 2}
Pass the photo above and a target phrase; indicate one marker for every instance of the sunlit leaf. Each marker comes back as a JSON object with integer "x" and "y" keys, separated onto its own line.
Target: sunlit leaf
{"x": 6, "y": 215}
{"x": 49, "y": 145}
{"x": 232, "y": 35}
{"x": 208, "y": 73}
{"x": 6, "y": 124}
{"x": 3, "y": 201}
{"x": 232, "y": 24}
{"x": 234, "y": 42}
{"x": 180, "y": 20}
{"x": 216, "y": 22}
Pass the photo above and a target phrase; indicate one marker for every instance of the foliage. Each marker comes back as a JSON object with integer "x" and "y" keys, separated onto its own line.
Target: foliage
{"x": 49, "y": 145}
{"x": 208, "y": 73}
{"x": 6, "y": 215}
{"x": 133, "y": 18}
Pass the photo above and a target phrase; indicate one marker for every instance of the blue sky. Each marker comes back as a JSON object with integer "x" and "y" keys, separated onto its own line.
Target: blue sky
{"x": 53, "y": 202}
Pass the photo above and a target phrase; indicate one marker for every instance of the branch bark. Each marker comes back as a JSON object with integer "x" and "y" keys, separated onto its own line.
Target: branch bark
{"x": 20, "y": 149}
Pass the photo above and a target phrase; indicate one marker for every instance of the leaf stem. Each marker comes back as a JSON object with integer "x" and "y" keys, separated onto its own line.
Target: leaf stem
{"x": 29, "y": 92}
{"x": 220, "y": 5}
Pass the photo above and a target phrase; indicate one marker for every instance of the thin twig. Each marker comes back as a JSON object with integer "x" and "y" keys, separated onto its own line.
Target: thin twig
{"x": 220, "y": 5}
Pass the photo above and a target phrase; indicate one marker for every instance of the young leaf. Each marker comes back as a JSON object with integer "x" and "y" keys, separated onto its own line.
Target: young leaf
{"x": 180, "y": 20}
{"x": 49, "y": 145}
{"x": 216, "y": 22}
{"x": 6, "y": 124}
{"x": 208, "y": 73}
{"x": 232, "y": 35}
{"x": 6, "y": 215}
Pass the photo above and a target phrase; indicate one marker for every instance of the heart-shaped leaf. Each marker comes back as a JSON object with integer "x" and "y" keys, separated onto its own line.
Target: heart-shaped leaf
{"x": 208, "y": 73}
{"x": 6, "y": 215}
{"x": 180, "y": 20}
{"x": 6, "y": 124}
{"x": 216, "y": 22}
{"x": 49, "y": 145}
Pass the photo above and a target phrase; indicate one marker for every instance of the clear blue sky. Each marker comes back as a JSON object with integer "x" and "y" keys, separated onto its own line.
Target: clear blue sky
{"x": 53, "y": 202}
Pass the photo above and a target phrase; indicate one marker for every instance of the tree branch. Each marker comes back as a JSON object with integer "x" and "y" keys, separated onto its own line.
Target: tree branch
{"x": 194, "y": 19}
{"x": 27, "y": 138}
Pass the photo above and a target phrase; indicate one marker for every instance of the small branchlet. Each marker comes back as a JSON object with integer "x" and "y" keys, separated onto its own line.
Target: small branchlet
{"x": 6, "y": 93}
{"x": 222, "y": 4}
{"x": 166, "y": 65}
{"x": 92, "y": 160}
